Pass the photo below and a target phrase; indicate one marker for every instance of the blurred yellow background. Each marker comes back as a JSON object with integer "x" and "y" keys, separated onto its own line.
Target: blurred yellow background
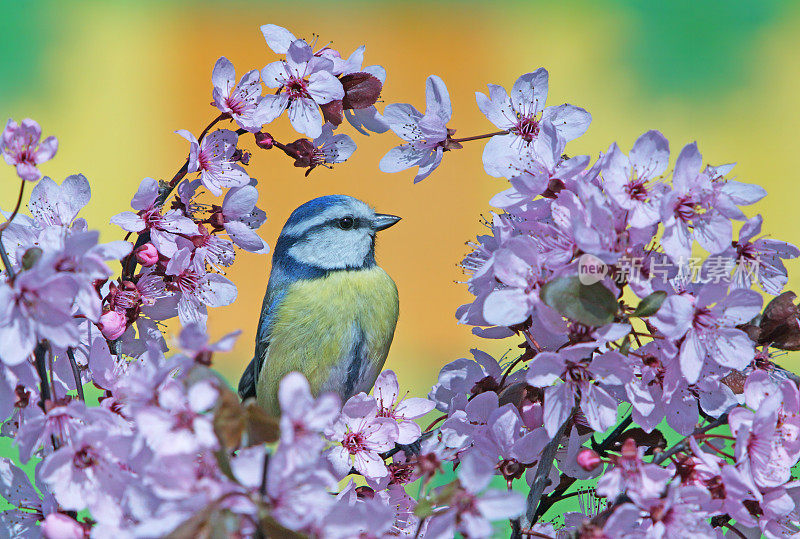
{"x": 113, "y": 80}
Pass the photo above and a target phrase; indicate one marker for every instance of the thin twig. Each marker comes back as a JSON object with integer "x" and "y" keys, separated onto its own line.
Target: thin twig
{"x": 50, "y": 371}
{"x": 478, "y": 137}
{"x": 129, "y": 263}
{"x": 543, "y": 470}
{"x": 3, "y": 254}
{"x": 6, "y": 262}
{"x": 41, "y": 370}
{"x": 263, "y": 488}
{"x": 75, "y": 373}
{"x": 16, "y": 208}
{"x": 508, "y": 369}
{"x": 532, "y": 341}
{"x": 606, "y": 444}
{"x": 516, "y": 528}
{"x": 558, "y": 494}
{"x": 436, "y": 422}
{"x": 732, "y": 528}
{"x": 531, "y": 533}
{"x": 680, "y": 446}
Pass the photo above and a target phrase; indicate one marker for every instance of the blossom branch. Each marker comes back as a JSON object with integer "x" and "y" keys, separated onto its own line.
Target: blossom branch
{"x": 543, "y": 470}
{"x": 479, "y": 137}
{"x": 41, "y": 369}
{"x": 75, "y": 373}
{"x": 3, "y": 254}
{"x": 680, "y": 446}
{"x": 606, "y": 444}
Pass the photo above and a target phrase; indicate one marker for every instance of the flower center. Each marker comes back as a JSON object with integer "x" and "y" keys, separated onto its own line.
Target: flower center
{"x": 296, "y": 88}
{"x": 353, "y": 442}
{"x": 576, "y": 372}
{"x": 236, "y": 105}
{"x": 747, "y": 251}
{"x": 84, "y": 458}
{"x": 685, "y": 209}
{"x": 636, "y": 190}
{"x": 187, "y": 281}
{"x": 184, "y": 420}
{"x": 704, "y": 319}
{"x": 527, "y": 127}
{"x": 152, "y": 218}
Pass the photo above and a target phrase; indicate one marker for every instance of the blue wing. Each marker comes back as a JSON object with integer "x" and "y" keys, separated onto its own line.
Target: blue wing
{"x": 249, "y": 379}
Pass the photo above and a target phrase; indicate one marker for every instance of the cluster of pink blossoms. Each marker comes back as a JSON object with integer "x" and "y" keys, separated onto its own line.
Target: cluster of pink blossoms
{"x": 644, "y": 383}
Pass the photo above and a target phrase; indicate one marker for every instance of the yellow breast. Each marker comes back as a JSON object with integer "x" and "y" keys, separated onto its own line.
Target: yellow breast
{"x": 315, "y": 325}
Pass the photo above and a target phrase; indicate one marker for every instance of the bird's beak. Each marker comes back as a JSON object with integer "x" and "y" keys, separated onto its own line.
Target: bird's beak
{"x": 382, "y": 221}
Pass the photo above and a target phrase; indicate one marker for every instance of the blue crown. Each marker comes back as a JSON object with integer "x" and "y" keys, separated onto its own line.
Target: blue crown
{"x": 313, "y": 207}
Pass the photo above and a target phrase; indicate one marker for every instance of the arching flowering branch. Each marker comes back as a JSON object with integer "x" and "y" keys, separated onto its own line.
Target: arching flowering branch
{"x": 586, "y": 266}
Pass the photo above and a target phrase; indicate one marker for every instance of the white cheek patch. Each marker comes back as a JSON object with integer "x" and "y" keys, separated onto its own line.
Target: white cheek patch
{"x": 333, "y": 248}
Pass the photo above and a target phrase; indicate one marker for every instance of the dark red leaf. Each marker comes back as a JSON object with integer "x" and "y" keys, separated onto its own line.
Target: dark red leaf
{"x": 361, "y": 90}
{"x": 333, "y": 112}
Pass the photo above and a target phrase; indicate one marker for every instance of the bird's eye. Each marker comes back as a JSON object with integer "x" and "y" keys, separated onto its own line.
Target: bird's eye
{"x": 346, "y": 223}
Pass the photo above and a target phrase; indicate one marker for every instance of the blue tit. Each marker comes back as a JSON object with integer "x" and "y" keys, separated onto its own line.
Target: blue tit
{"x": 329, "y": 311}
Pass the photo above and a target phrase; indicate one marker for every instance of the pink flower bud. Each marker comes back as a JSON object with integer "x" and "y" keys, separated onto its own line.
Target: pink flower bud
{"x": 147, "y": 255}
{"x": 60, "y": 526}
{"x": 112, "y": 324}
{"x": 588, "y": 459}
{"x": 264, "y": 140}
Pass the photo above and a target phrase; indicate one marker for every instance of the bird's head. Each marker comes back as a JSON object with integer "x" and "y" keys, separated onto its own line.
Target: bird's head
{"x": 330, "y": 233}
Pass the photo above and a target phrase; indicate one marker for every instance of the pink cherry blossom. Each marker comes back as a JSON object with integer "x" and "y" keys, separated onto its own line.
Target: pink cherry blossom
{"x": 304, "y": 82}
{"x": 630, "y": 475}
{"x": 425, "y": 134}
{"x": 575, "y": 366}
{"x": 241, "y": 218}
{"x": 708, "y": 320}
{"x": 677, "y": 515}
{"x": 689, "y": 211}
{"x": 213, "y": 158}
{"x": 760, "y": 259}
{"x": 58, "y": 205}
{"x": 758, "y": 452}
{"x": 304, "y": 419}
{"x": 198, "y": 289}
{"x": 38, "y": 305}
{"x": 403, "y": 410}
{"x": 332, "y": 148}
{"x": 19, "y": 144}
{"x": 89, "y": 473}
{"x": 361, "y": 436}
{"x": 163, "y": 227}
{"x": 521, "y": 114}
{"x": 629, "y": 179}
{"x": 177, "y": 425}
{"x": 242, "y": 101}
{"x": 471, "y": 511}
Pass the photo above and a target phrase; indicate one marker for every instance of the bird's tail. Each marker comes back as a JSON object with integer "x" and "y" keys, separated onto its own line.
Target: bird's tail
{"x": 247, "y": 383}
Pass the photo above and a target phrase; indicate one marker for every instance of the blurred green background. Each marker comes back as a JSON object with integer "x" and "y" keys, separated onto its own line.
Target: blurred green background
{"x": 114, "y": 79}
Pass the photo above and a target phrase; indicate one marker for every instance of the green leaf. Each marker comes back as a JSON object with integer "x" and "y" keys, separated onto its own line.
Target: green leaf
{"x": 626, "y": 346}
{"x": 650, "y": 305}
{"x": 424, "y": 508}
{"x": 31, "y": 257}
{"x": 591, "y": 305}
